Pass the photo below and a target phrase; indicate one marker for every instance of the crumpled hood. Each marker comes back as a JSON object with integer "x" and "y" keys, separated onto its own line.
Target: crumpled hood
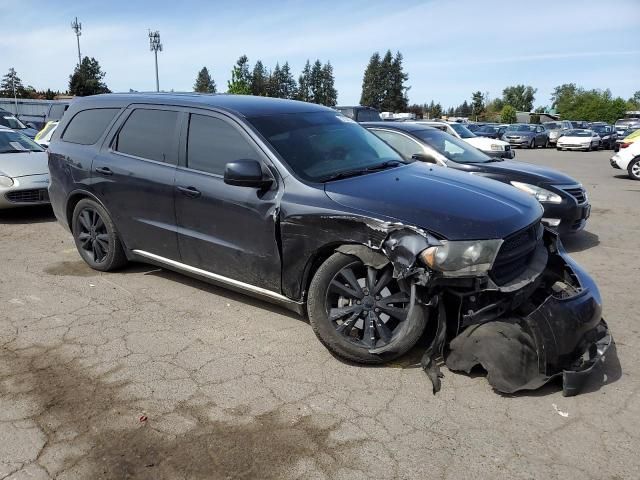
{"x": 23, "y": 164}
{"x": 533, "y": 173}
{"x": 452, "y": 204}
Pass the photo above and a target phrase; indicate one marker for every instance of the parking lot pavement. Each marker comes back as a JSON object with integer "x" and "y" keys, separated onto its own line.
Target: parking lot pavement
{"x": 147, "y": 374}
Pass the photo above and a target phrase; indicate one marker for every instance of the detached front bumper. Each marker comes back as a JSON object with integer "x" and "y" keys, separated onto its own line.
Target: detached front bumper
{"x": 557, "y": 332}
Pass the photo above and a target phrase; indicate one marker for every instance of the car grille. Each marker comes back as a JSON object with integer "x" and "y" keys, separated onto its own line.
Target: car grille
{"x": 28, "y": 196}
{"x": 578, "y": 193}
{"x": 515, "y": 254}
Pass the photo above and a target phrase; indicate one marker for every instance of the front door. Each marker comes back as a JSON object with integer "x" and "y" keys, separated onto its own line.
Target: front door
{"x": 133, "y": 176}
{"x": 224, "y": 229}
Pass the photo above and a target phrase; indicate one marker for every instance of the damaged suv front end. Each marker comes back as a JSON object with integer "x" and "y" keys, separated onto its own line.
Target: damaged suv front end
{"x": 519, "y": 307}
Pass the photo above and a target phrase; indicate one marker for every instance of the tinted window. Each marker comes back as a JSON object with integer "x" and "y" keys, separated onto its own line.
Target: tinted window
{"x": 57, "y": 110}
{"x": 402, "y": 144}
{"x": 367, "y": 115}
{"x": 348, "y": 112}
{"x": 461, "y": 130}
{"x": 87, "y": 127}
{"x": 149, "y": 134}
{"x": 213, "y": 143}
{"x": 318, "y": 146}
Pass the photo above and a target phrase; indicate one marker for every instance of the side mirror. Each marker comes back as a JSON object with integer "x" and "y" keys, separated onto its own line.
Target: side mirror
{"x": 246, "y": 173}
{"x": 424, "y": 157}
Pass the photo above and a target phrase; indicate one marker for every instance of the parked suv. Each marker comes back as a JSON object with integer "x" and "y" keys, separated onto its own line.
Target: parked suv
{"x": 298, "y": 204}
{"x": 556, "y": 129}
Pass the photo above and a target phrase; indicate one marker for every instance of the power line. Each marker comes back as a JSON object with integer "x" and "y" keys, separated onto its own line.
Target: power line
{"x": 155, "y": 46}
{"x": 77, "y": 28}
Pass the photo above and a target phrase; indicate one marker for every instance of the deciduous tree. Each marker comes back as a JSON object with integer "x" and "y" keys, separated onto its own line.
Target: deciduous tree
{"x": 520, "y": 97}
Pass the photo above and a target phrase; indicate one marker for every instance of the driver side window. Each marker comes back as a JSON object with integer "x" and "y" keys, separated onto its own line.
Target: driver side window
{"x": 404, "y": 145}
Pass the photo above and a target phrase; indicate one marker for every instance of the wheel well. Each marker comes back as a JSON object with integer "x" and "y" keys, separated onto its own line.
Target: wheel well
{"x": 71, "y": 205}
{"x": 318, "y": 258}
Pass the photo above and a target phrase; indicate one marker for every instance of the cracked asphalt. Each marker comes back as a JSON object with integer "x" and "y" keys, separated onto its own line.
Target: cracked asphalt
{"x": 148, "y": 374}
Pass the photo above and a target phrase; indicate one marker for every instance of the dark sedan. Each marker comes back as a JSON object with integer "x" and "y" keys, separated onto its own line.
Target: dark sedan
{"x": 491, "y": 131}
{"x": 608, "y": 135}
{"x": 566, "y": 207}
{"x": 526, "y": 135}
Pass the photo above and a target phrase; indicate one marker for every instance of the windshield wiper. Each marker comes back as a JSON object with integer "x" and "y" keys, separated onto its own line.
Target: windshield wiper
{"x": 494, "y": 159}
{"x": 15, "y": 150}
{"x": 362, "y": 171}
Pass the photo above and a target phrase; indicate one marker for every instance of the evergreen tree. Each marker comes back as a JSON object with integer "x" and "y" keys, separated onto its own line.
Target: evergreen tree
{"x": 304, "y": 84}
{"x": 477, "y": 104}
{"x": 465, "y": 109}
{"x": 240, "y": 82}
{"x": 315, "y": 83}
{"x": 10, "y": 80}
{"x": 329, "y": 92}
{"x": 259, "y": 80}
{"x": 396, "y": 89}
{"x": 288, "y": 85}
{"x": 275, "y": 82}
{"x": 204, "y": 82}
{"x": 87, "y": 79}
{"x": 385, "y": 75}
{"x": 371, "y": 92}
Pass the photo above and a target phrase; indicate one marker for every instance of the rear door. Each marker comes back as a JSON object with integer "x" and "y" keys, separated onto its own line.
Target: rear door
{"x": 224, "y": 229}
{"x": 134, "y": 175}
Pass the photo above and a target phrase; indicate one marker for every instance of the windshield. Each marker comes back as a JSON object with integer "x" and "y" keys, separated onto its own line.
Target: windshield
{"x": 461, "y": 130}
{"x": 12, "y": 142}
{"x": 552, "y": 125}
{"x": 521, "y": 128}
{"x": 600, "y": 128}
{"x": 578, "y": 133}
{"x": 12, "y": 122}
{"x": 451, "y": 147}
{"x": 489, "y": 129}
{"x": 318, "y": 146}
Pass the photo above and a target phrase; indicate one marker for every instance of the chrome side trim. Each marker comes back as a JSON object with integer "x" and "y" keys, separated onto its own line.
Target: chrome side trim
{"x": 215, "y": 277}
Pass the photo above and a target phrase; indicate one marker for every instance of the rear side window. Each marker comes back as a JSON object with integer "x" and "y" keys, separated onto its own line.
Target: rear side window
{"x": 87, "y": 126}
{"x": 150, "y": 134}
{"x": 367, "y": 115}
{"x": 213, "y": 142}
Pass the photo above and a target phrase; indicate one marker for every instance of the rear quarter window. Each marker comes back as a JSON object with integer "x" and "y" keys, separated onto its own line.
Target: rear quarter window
{"x": 87, "y": 126}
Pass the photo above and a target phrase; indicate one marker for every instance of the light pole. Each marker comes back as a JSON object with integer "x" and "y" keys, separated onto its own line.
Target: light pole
{"x": 77, "y": 27}
{"x": 155, "y": 46}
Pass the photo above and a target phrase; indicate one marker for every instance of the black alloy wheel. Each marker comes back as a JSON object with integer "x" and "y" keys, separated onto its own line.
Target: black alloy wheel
{"x": 96, "y": 236}
{"x": 92, "y": 235}
{"x": 360, "y": 313}
{"x": 365, "y": 305}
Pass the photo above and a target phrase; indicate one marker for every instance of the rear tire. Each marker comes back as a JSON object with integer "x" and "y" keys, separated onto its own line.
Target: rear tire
{"x": 96, "y": 237}
{"x": 634, "y": 169}
{"x": 354, "y": 308}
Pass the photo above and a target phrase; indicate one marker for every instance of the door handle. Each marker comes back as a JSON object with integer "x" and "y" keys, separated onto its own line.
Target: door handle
{"x": 104, "y": 171}
{"x": 190, "y": 192}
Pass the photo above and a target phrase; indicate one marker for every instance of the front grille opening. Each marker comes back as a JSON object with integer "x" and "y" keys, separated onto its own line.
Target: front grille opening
{"x": 515, "y": 254}
{"x": 578, "y": 193}
{"x": 28, "y": 196}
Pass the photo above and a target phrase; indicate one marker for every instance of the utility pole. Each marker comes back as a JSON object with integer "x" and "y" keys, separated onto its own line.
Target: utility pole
{"x": 155, "y": 46}
{"x": 77, "y": 27}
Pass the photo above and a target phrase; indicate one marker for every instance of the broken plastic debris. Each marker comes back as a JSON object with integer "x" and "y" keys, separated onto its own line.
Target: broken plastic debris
{"x": 559, "y": 412}
{"x": 143, "y": 418}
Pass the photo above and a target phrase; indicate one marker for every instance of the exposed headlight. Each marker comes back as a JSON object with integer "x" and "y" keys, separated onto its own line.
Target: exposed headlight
{"x": 606, "y": 137}
{"x": 541, "y": 194}
{"x": 463, "y": 258}
{"x": 495, "y": 146}
{"x": 5, "y": 181}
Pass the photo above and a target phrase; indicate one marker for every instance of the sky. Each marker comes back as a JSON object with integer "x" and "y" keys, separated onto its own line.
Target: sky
{"x": 451, "y": 48}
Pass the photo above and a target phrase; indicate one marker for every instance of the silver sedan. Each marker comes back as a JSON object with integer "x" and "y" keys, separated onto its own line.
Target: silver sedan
{"x": 24, "y": 173}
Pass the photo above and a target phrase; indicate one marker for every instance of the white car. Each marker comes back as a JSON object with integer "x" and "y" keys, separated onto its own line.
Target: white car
{"x": 44, "y": 136}
{"x": 628, "y": 159}
{"x": 579, "y": 139}
{"x": 24, "y": 172}
{"x": 489, "y": 146}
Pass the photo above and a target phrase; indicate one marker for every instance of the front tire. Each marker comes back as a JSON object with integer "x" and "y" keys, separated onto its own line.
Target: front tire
{"x": 634, "y": 169}
{"x": 532, "y": 144}
{"x": 354, "y": 308}
{"x": 96, "y": 237}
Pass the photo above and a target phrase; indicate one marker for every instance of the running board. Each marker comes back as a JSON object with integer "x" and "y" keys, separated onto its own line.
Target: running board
{"x": 225, "y": 281}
